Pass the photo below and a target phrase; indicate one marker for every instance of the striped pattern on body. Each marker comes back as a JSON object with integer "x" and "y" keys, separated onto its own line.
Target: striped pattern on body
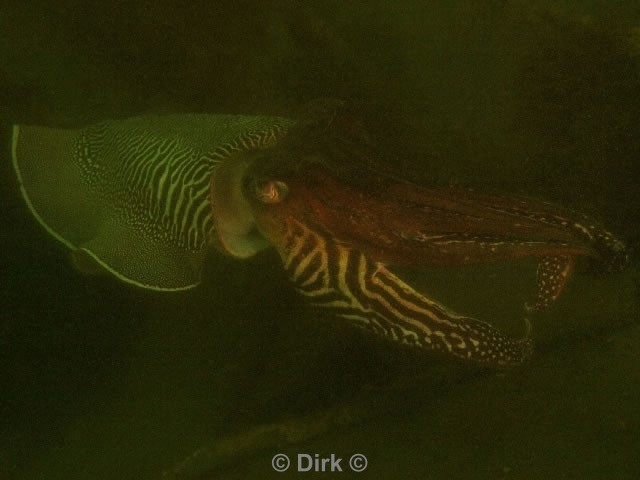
{"x": 161, "y": 183}
{"x": 342, "y": 281}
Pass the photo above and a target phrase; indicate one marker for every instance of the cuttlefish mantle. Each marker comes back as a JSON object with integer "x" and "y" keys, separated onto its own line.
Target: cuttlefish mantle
{"x": 133, "y": 195}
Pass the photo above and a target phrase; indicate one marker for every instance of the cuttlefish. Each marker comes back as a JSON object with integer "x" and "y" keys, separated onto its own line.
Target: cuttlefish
{"x": 148, "y": 198}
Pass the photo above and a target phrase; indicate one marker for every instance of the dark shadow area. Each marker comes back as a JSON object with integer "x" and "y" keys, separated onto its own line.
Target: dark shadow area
{"x": 99, "y": 380}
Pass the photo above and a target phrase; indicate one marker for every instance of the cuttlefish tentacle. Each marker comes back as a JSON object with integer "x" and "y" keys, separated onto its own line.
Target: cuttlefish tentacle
{"x": 551, "y": 277}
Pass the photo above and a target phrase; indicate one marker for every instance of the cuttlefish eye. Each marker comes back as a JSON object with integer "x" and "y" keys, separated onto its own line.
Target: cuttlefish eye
{"x": 271, "y": 191}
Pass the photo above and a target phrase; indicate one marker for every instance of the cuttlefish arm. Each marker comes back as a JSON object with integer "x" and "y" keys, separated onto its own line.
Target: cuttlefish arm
{"x": 403, "y": 224}
{"x": 338, "y": 225}
{"x": 342, "y": 280}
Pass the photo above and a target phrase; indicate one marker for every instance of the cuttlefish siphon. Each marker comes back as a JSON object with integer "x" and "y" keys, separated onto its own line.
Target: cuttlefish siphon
{"x": 148, "y": 198}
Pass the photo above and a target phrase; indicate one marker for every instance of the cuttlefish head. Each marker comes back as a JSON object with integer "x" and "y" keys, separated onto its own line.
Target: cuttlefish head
{"x": 324, "y": 177}
{"x": 255, "y": 193}
{"x": 311, "y": 178}
{"x": 336, "y": 221}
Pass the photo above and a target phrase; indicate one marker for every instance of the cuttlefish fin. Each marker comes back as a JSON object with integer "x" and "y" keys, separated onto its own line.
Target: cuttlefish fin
{"x": 52, "y": 185}
{"x": 141, "y": 260}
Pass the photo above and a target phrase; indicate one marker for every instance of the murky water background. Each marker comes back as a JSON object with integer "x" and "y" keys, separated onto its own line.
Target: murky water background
{"x": 101, "y": 381}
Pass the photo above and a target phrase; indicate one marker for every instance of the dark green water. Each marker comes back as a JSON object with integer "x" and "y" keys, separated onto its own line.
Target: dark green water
{"x": 101, "y": 381}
